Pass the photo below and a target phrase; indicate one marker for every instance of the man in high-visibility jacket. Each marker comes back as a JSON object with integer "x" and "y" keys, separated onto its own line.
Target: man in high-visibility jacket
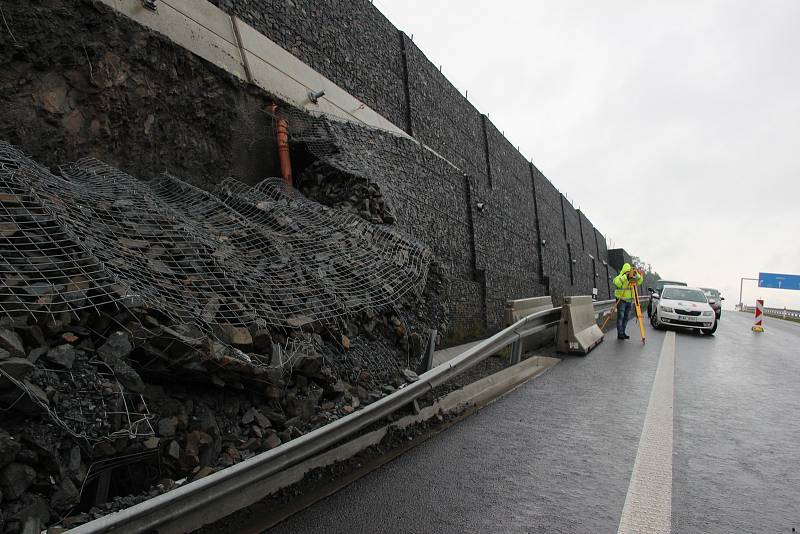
{"x": 627, "y": 277}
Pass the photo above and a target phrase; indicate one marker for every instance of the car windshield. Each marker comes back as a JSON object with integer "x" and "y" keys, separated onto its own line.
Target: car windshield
{"x": 661, "y": 283}
{"x": 678, "y": 293}
{"x": 711, "y": 293}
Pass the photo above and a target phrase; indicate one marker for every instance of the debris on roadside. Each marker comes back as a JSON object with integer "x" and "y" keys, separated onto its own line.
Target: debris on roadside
{"x": 152, "y": 333}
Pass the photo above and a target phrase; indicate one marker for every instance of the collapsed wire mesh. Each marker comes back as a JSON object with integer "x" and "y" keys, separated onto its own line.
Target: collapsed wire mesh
{"x": 397, "y": 165}
{"x": 97, "y": 407}
{"x": 261, "y": 255}
{"x": 364, "y": 362}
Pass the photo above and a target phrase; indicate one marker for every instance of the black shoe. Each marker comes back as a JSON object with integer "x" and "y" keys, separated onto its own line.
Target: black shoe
{"x": 626, "y": 336}
{"x": 621, "y": 336}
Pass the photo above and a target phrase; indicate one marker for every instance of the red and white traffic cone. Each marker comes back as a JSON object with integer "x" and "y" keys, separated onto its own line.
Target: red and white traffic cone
{"x": 759, "y": 316}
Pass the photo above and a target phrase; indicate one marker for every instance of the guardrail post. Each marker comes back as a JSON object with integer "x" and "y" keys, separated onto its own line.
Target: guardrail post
{"x": 516, "y": 351}
{"x": 427, "y": 362}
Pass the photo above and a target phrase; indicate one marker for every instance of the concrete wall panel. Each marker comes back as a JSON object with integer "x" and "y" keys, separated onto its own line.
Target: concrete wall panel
{"x": 347, "y": 41}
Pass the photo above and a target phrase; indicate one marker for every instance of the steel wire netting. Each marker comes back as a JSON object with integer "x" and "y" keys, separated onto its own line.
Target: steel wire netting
{"x": 240, "y": 254}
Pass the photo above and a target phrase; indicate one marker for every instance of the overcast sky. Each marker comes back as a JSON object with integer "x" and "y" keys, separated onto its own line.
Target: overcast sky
{"x": 693, "y": 106}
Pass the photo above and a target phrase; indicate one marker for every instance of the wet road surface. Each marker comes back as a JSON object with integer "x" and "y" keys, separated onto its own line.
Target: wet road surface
{"x": 737, "y": 429}
{"x": 558, "y": 454}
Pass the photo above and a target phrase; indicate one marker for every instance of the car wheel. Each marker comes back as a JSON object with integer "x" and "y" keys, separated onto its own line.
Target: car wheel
{"x": 710, "y": 331}
{"x": 655, "y": 322}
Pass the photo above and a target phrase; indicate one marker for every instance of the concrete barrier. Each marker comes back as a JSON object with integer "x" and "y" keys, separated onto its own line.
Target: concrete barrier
{"x": 517, "y": 309}
{"x": 578, "y": 331}
{"x": 520, "y": 308}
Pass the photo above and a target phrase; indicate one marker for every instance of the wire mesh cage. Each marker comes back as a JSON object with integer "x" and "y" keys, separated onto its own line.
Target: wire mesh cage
{"x": 241, "y": 254}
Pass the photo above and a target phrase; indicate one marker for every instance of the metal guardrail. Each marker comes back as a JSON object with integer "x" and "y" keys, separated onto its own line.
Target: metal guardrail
{"x": 780, "y": 313}
{"x": 210, "y": 491}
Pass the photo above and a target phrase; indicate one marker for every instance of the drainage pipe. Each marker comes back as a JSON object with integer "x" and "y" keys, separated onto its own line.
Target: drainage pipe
{"x": 282, "y": 135}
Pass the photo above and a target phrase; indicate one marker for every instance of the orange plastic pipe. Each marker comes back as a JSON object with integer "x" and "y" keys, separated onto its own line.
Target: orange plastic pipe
{"x": 282, "y": 134}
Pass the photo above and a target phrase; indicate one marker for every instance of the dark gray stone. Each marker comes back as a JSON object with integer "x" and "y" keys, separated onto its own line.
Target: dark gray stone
{"x": 262, "y": 341}
{"x": 15, "y": 478}
{"x": 10, "y": 341}
{"x": 262, "y": 420}
{"x": 74, "y": 462}
{"x": 310, "y": 365}
{"x": 113, "y": 352}
{"x": 206, "y": 420}
{"x": 129, "y": 378}
{"x": 17, "y": 368}
{"x": 9, "y": 447}
{"x": 35, "y": 354}
{"x": 65, "y": 497}
{"x": 29, "y": 402}
{"x": 272, "y": 441}
{"x": 410, "y": 375}
{"x": 200, "y": 445}
{"x": 32, "y": 512}
{"x": 167, "y": 426}
{"x": 116, "y": 347}
{"x": 31, "y": 525}
{"x": 28, "y": 457}
{"x": 249, "y": 416}
{"x": 45, "y": 443}
{"x": 302, "y": 407}
{"x": 62, "y": 355}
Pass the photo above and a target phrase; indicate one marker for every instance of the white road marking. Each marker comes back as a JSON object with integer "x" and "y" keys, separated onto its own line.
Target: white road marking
{"x": 648, "y": 505}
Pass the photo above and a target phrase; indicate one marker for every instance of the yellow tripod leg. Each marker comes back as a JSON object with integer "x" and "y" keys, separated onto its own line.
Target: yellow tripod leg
{"x": 608, "y": 317}
{"x": 638, "y": 311}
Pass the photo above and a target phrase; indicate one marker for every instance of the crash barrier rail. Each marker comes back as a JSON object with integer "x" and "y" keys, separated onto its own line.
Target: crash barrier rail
{"x": 780, "y": 313}
{"x": 219, "y": 491}
{"x": 520, "y": 308}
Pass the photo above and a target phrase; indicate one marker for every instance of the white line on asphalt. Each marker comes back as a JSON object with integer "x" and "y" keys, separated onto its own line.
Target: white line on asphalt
{"x": 648, "y": 505}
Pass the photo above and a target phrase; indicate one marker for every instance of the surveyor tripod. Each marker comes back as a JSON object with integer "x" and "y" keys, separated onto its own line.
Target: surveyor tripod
{"x": 636, "y": 305}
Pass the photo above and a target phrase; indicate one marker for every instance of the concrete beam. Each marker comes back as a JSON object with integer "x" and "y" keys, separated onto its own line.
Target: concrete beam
{"x": 198, "y": 27}
{"x": 209, "y": 32}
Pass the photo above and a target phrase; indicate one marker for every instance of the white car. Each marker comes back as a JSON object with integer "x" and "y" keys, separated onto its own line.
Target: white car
{"x": 684, "y": 307}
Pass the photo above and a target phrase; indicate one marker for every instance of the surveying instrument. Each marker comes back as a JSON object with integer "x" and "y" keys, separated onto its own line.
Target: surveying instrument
{"x": 636, "y": 305}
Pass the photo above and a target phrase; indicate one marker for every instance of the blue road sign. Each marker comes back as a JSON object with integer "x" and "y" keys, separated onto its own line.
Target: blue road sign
{"x": 779, "y": 281}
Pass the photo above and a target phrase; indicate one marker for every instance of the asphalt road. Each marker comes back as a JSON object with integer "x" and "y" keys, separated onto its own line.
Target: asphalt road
{"x": 558, "y": 454}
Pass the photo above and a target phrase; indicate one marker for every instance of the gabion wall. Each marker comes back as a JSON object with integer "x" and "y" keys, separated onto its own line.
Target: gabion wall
{"x": 125, "y": 95}
{"x": 353, "y": 44}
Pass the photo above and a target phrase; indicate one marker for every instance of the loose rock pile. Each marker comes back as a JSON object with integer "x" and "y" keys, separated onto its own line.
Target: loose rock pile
{"x": 108, "y": 396}
{"x": 345, "y": 192}
{"x": 98, "y": 395}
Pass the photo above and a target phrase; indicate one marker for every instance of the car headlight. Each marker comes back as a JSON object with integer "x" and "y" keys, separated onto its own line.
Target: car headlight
{"x": 708, "y": 313}
{"x": 667, "y": 309}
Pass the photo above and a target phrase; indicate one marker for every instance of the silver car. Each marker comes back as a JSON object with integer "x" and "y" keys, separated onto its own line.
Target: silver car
{"x": 684, "y": 307}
